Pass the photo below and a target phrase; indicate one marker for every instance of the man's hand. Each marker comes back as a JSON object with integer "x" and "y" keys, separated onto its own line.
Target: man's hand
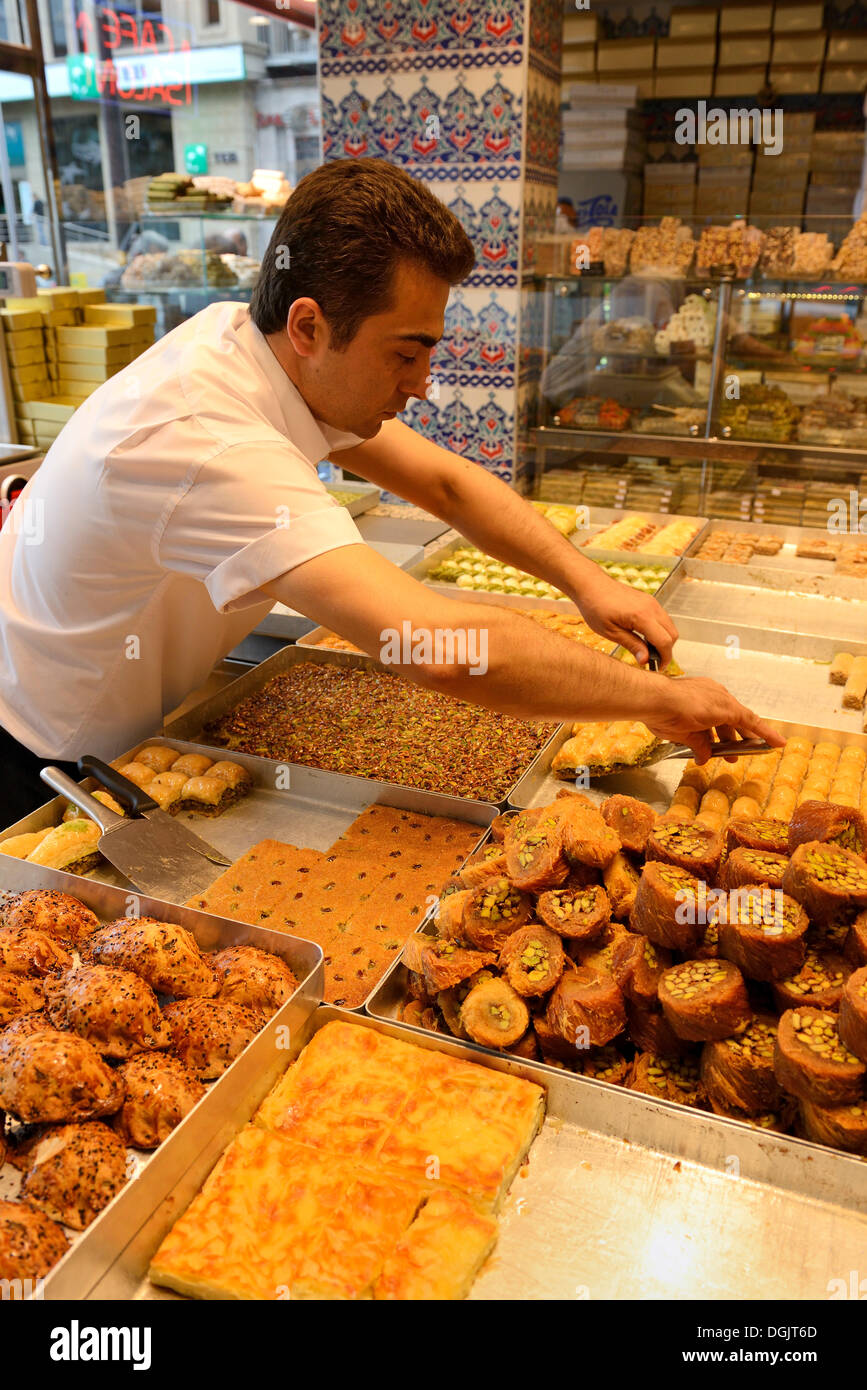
{"x": 619, "y": 612}
{"x": 690, "y": 708}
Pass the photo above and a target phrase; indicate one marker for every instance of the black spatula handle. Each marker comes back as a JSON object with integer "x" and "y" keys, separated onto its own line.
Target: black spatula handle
{"x": 136, "y": 798}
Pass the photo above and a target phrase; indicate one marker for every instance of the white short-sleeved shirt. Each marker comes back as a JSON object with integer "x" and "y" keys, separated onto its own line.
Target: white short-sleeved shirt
{"x": 135, "y": 557}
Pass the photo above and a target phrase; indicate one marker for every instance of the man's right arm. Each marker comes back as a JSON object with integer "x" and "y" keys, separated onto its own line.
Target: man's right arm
{"x": 529, "y": 672}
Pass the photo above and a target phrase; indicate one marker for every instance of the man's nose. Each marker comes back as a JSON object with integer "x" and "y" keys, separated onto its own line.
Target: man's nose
{"x": 419, "y": 379}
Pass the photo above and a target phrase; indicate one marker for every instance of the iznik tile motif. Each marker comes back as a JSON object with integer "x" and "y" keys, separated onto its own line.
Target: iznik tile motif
{"x": 463, "y": 94}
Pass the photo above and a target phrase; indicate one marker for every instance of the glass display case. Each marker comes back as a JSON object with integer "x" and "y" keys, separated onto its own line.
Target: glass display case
{"x": 724, "y": 397}
{"x": 182, "y": 261}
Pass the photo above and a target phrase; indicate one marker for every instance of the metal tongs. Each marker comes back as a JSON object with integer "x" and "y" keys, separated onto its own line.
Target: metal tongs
{"x": 722, "y": 748}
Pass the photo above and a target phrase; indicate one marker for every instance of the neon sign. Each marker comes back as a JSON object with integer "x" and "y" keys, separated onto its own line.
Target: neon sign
{"x": 158, "y": 69}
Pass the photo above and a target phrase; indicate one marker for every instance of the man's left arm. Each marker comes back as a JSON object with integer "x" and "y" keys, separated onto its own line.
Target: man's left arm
{"x": 502, "y": 524}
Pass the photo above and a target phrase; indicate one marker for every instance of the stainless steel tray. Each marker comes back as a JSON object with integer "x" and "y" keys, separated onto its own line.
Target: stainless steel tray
{"x": 766, "y": 681}
{"x": 92, "y": 1252}
{"x": 370, "y": 495}
{"x": 710, "y": 1208}
{"x": 655, "y": 785}
{"x": 785, "y": 572}
{"x": 767, "y": 617}
{"x": 621, "y": 557}
{"x": 310, "y": 812}
{"x": 600, "y": 518}
{"x": 190, "y": 726}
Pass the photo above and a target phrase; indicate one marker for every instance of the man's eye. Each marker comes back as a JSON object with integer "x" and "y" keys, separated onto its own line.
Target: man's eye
{"x": 404, "y": 358}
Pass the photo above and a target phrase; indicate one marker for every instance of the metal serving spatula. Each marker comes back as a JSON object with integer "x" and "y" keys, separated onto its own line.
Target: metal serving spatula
{"x": 731, "y": 748}
{"x": 161, "y": 857}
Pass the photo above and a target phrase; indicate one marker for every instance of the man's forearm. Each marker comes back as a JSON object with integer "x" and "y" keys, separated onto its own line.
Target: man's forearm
{"x": 532, "y": 673}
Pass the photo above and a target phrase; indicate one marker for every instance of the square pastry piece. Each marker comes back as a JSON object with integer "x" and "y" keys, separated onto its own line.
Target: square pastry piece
{"x": 334, "y": 1191}
{"x": 274, "y": 1221}
{"x": 396, "y": 1105}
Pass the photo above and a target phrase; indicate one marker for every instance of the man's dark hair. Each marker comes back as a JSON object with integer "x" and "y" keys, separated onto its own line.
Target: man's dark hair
{"x": 345, "y": 228}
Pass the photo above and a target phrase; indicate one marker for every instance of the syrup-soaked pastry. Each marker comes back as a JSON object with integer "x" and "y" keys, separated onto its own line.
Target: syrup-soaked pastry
{"x": 75, "y": 1171}
{"x": 582, "y": 876}
{"x": 762, "y": 833}
{"x": 600, "y": 955}
{"x": 208, "y": 1034}
{"x": 488, "y": 862}
{"x": 826, "y": 880}
{"x": 207, "y": 796}
{"x": 778, "y": 1121}
{"x": 853, "y": 1013}
{"x": 113, "y": 1009}
{"x": 763, "y": 932}
{"x": 527, "y": 1047}
{"x": 30, "y": 1242}
{"x": 587, "y": 838}
{"x": 59, "y": 914}
{"x": 708, "y": 946}
{"x": 841, "y": 1126}
{"x": 166, "y": 789}
{"x": 621, "y": 884}
{"x": 819, "y": 982}
{"x": 532, "y": 960}
{"x": 668, "y": 1078}
{"x": 493, "y": 912}
{"x": 191, "y": 765}
{"x": 72, "y": 812}
{"x": 691, "y": 847}
{"x": 667, "y": 907}
{"x": 160, "y": 759}
{"x": 449, "y": 1003}
{"x": 856, "y": 941}
{"x": 630, "y": 819}
{"x": 19, "y": 994}
{"x": 514, "y": 825}
{"x": 494, "y": 1015}
{"x": 739, "y": 1072}
{"x": 238, "y": 778}
{"x": 71, "y": 846}
{"x": 537, "y": 860}
{"x": 444, "y": 964}
{"x": 704, "y": 1000}
{"x": 159, "y": 1093}
{"x": 258, "y": 979}
{"x": 812, "y": 1062}
{"x": 829, "y": 824}
{"x": 556, "y": 1050}
{"x": 744, "y": 866}
{"x": 605, "y": 1064}
{"x": 639, "y": 966}
{"x": 589, "y": 1001}
{"x": 745, "y": 808}
{"x": 413, "y": 1013}
{"x": 651, "y": 1031}
{"x": 581, "y": 914}
{"x": 137, "y": 772}
{"x": 450, "y": 913}
{"x": 32, "y": 951}
{"x": 22, "y": 846}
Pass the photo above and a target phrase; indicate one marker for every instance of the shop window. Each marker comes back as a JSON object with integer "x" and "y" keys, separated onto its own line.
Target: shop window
{"x": 58, "y": 28}
{"x": 212, "y": 12}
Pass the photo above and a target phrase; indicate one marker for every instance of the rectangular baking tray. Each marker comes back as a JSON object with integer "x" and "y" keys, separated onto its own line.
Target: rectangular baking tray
{"x": 423, "y": 569}
{"x": 94, "y": 1251}
{"x": 655, "y": 785}
{"x": 370, "y": 495}
{"x": 311, "y": 812}
{"x": 668, "y": 1212}
{"x": 769, "y": 618}
{"x": 600, "y": 518}
{"x": 190, "y": 726}
{"x": 786, "y": 571}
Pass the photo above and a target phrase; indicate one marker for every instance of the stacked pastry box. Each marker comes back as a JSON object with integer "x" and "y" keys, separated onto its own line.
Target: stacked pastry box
{"x": 60, "y": 345}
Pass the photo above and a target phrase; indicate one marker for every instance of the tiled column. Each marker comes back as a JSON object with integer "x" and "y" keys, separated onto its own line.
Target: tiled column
{"x": 464, "y": 94}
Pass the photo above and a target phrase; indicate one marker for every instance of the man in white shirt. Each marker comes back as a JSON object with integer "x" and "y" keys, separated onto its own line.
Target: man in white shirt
{"x": 182, "y": 500}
